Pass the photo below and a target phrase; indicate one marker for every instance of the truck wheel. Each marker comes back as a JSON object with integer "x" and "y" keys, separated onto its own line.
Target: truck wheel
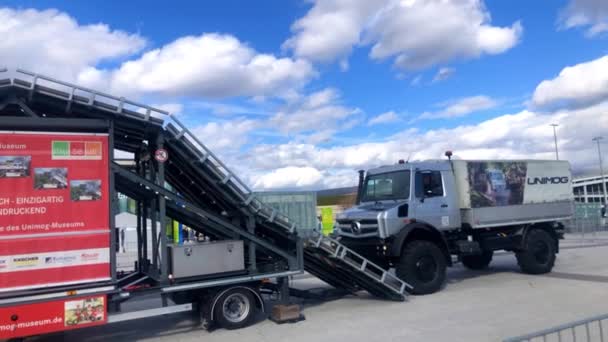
{"x": 477, "y": 262}
{"x": 538, "y": 253}
{"x": 235, "y": 309}
{"x": 423, "y": 266}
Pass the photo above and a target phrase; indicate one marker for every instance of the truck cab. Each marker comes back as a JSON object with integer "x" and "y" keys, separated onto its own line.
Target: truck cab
{"x": 414, "y": 216}
{"x": 393, "y": 196}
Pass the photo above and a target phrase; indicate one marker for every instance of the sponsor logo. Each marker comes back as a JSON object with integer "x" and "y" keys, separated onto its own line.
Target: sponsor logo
{"x": 356, "y": 227}
{"x": 60, "y": 260}
{"x": 89, "y": 256}
{"x": 25, "y": 261}
{"x": 76, "y": 150}
{"x": 548, "y": 180}
{"x": 3, "y": 264}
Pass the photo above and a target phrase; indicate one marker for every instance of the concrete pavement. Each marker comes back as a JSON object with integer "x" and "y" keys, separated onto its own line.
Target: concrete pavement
{"x": 474, "y": 306}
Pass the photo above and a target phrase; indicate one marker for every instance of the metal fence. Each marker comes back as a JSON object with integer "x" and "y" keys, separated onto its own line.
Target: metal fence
{"x": 591, "y": 330}
{"x": 587, "y": 220}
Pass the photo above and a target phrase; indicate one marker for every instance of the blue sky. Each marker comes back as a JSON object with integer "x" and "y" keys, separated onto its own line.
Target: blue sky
{"x": 299, "y": 94}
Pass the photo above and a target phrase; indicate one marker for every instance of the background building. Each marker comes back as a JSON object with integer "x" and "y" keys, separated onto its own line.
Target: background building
{"x": 589, "y": 189}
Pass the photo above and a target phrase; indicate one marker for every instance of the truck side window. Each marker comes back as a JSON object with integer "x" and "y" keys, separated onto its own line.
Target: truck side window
{"x": 431, "y": 184}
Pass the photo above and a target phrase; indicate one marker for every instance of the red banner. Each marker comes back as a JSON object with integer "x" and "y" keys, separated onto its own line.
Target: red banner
{"x": 42, "y": 318}
{"x": 53, "y": 183}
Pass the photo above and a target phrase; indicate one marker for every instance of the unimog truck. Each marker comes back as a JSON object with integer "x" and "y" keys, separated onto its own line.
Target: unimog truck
{"x": 421, "y": 217}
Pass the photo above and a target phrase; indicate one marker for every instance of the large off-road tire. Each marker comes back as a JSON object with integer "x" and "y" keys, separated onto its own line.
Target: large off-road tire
{"x": 477, "y": 262}
{"x": 538, "y": 253}
{"x": 235, "y": 309}
{"x": 423, "y": 266}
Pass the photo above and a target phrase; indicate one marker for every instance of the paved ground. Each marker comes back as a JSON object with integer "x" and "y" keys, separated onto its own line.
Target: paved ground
{"x": 474, "y": 306}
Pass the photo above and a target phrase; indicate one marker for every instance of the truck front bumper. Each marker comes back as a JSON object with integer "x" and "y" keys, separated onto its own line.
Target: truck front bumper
{"x": 372, "y": 248}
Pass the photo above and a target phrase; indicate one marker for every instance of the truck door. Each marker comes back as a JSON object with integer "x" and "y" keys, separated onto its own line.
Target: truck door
{"x": 433, "y": 205}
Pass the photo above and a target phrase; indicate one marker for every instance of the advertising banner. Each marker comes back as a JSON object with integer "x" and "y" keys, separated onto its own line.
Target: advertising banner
{"x": 42, "y": 318}
{"x": 503, "y": 183}
{"x": 54, "y": 209}
{"x": 495, "y": 184}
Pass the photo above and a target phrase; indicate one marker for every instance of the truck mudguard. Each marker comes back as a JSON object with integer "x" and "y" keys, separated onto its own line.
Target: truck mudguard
{"x": 422, "y": 231}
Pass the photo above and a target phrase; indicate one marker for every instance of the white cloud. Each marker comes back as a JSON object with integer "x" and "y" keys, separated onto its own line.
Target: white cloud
{"x": 330, "y": 29}
{"x": 210, "y": 65}
{"x": 172, "y": 108}
{"x": 417, "y": 34}
{"x": 322, "y": 136}
{"x": 524, "y": 135}
{"x": 461, "y": 107}
{"x": 53, "y": 43}
{"x": 585, "y": 13}
{"x": 443, "y": 74}
{"x": 576, "y": 86}
{"x": 226, "y": 136}
{"x": 289, "y": 177}
{"x": 318, "y": 110}
{"x": 384, "y": 118}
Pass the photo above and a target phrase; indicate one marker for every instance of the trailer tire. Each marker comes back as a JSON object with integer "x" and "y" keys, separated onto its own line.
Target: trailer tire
{"x": 477, "y": 262}
{"x": 235, "y": 309}
{"x": 538, "y": 253}
{"x": 423, "y": 266}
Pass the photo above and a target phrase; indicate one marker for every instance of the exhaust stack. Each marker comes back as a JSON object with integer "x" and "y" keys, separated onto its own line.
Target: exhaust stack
{"x": 360, "y": 185}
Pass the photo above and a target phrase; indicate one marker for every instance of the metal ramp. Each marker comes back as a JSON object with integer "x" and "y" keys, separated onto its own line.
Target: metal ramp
{"x": 207, "y": 187}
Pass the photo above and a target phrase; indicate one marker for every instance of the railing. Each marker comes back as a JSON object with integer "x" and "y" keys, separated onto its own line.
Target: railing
{"x": 590, "y": 329}
{"x": 587, "y": 220}
{"x": 371, "y": 270}
{"x": 107, "y": 102}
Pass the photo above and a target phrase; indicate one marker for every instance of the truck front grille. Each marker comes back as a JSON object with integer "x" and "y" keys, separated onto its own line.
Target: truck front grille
{"x": 358, "y": 227}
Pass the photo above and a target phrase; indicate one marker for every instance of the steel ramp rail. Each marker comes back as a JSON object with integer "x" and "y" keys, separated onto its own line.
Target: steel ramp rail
{"x": 326, "y": 258}
{"x": 368, "y": 275}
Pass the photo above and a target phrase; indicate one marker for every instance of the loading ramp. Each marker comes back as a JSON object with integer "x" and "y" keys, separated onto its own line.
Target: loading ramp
{"x": 205, "y": 194}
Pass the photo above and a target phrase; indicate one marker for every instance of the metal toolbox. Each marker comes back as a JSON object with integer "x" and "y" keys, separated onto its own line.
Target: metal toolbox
{"x": 201, "y": 259}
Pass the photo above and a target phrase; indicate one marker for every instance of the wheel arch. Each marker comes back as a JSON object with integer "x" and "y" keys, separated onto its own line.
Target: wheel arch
{"x": 419, "y": 231}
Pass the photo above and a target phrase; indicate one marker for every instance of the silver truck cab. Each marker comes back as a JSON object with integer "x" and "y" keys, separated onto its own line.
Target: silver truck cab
{"x": 391, "y": 197}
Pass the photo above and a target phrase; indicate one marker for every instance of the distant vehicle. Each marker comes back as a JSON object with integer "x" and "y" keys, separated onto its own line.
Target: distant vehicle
{"x": 415, "y": 216}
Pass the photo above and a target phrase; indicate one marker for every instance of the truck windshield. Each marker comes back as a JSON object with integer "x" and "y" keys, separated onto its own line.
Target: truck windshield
{"x": 387, "y": 186}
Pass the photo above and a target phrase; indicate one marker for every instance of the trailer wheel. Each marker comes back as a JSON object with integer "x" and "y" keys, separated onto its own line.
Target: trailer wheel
{"x": 538, "y": 253}
{"x": 423, "y": 266}
{"x": 477, "y": 262}
{"x": 235, "y": 309}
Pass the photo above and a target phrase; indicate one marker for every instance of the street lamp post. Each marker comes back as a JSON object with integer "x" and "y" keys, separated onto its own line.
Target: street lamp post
{"x": 555, "y": 139}
{"x": 602, "y": 180}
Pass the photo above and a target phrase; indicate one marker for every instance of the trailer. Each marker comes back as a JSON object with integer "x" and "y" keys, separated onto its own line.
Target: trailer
{"x": 58, "y": 238}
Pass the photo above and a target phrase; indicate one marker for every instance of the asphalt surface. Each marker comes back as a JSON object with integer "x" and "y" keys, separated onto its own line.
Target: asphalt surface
{"x": 474, "y": 306}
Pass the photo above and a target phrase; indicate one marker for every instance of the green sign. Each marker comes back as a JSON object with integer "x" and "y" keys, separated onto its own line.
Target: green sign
{"x": 61, "y": 148}
{"x": 327, "y": 220}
